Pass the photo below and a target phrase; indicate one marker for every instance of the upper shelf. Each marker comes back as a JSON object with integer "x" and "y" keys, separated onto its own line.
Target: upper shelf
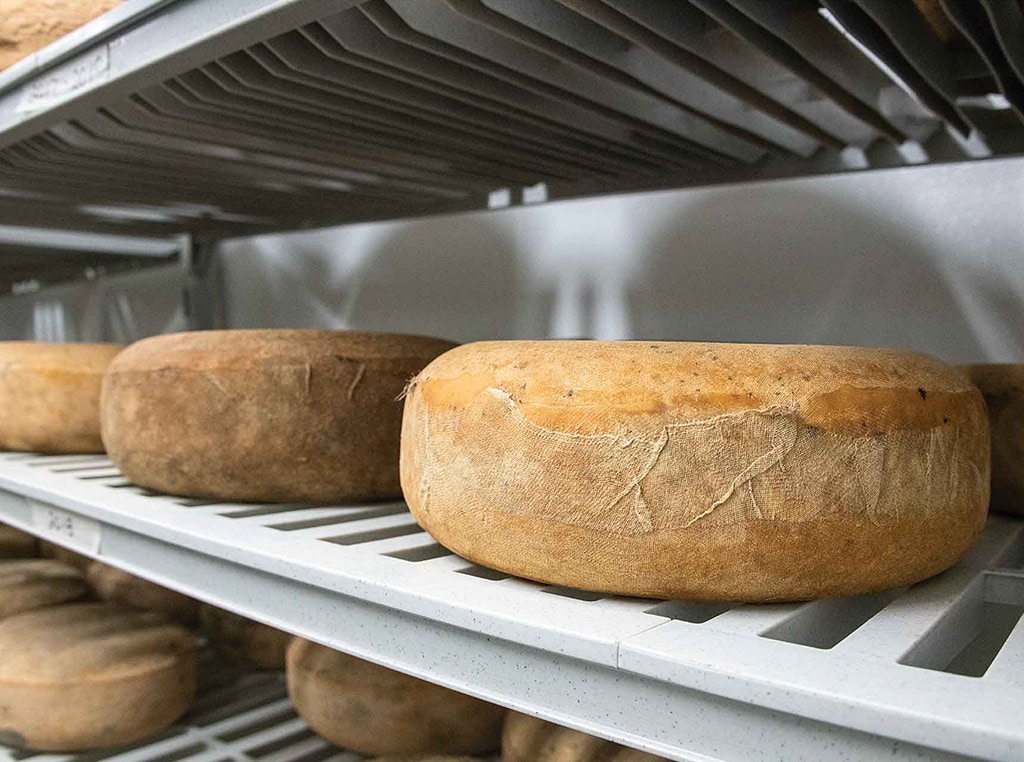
{"x": 235, "y": 117}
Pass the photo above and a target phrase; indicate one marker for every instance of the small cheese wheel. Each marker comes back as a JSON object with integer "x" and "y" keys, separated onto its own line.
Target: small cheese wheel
{"x": 118, "y": 586}
{"x": 50, "y": 396}
{"x": 531, "y": 739}
{"x": 91, "y": 675}
{"x": 28, "y": 25}
{"x": 17, "y": 544}
{"x": 57, "y": 552}
{"x": 36, "y": 583}
{"x": 242, "y": 640}
{"x": 263, "y": 415}
{"x": 1003, "y": 387}
{"x": 376, "y": 711}
{"x": 698, "y": 471}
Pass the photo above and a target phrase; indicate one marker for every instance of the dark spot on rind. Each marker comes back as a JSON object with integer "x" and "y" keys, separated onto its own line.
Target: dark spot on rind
{"x": 10, "y": 737}
{"x": 945, "y": 420}
{"x": 568, "y": 393}
{"x": 922, "y": 392}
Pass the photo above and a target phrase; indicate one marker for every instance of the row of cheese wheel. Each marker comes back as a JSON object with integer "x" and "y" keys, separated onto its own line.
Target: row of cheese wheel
{"x": 658, "y": 469}
{"x": 78, "y": 675}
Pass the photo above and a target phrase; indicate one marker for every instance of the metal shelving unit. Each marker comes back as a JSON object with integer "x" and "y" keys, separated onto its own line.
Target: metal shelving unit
{"x": 173, "y": 124}
{"x": 930, "y": 672}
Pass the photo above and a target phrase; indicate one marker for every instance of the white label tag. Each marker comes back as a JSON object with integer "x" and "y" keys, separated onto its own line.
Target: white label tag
{"x": 56, "y": 85}
{"x": 66, "y": 528}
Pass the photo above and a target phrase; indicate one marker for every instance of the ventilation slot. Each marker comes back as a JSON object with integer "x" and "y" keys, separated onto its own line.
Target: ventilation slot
{"x": 826, "y": 623}
{"x": 685, "y": 611}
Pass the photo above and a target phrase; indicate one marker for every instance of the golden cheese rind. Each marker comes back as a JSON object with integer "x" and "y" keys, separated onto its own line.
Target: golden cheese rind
{"x": 92, "y": 675}
{"x": 36, "y": 583}
{"x": 376, "y": 711}
{"x": 28, "y": 25}
{"x": 1003, "y": 388}
{"x": 700, "y": 471}
{"x": 267, "y": 416}
{"x": 50, "y": 396}
{"x": 242, "y": 640}
{"x": 118, "y": 586}
{"x": 531, "y": 739}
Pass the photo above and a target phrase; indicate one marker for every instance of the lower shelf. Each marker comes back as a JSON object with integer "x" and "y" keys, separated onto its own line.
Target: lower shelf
{"x": 934, "y": 671}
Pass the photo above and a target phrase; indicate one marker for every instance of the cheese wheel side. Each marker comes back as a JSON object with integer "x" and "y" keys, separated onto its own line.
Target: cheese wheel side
{"x": 244, "y": 640}
{"x": 376, "y": 711}
{"x": 50, "y": 396}
{"x": 267, "y": 416}
{"x": 698, "y": 471}
{"x": 118, "y": 586}
{"x": 531, "y": 739}
{"x": 17, "y": 544}
{"x": 92, "y": 675}
{"x": 36, "y": 583}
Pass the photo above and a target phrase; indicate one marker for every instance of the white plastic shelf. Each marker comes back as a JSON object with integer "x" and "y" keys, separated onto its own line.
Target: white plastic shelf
{"x": 935, "y": 671}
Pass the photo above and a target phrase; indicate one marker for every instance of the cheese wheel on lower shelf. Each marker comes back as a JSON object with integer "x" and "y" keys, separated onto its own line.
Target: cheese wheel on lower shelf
{"x": 28, "y": 25}
{"x": 17, "y": 544}
{"x": 118, "y": 586}
{"x": 266, "y": 416}
{"x": 37, "y": 583}
{"x": 92, "y": 675}
{"x": 57, "y": 552}
{"x": 426, "y": 758}
{"x": 531, "y": 739}
{"x": 698, "y": 471}
{"x": 1003, "y": 387}
{"x": 376, "y": 711}
{"x": 242, "y": 640}
{"x": 50, "y": 396}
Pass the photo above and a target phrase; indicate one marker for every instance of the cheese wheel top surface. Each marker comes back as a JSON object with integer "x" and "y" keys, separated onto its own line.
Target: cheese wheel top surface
{"x": 37, "y": 583}
{"x": 57, "y": 358}
{"x": 239, "y": 350}
{"x": 89, "y": 643}
{"x": 263, "y": 415}
{"x": 696, "y": 470}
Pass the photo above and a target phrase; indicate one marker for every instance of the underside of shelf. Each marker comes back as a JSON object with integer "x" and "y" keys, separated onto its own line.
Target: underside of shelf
{"x": 238, "y": 117}
{"x": 933, "y": 671}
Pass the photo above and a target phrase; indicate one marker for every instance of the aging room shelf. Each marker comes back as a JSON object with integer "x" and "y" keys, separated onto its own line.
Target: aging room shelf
{"x": 235, "y": 117}
{"x": 929, "y": 672}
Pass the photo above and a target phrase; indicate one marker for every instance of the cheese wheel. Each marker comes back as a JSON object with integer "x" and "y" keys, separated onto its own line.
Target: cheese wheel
{"x": 36, "y": 583}
{"x": 118, "y": 586}
{"x": 28, "y": 25}
{"x": 60, "y": 553}
{"x": 531, "y": 739}
{"x": 376, "y": 711}
{"x": 17, "y": 544}
{"x": 243, "y": 640}
{"x": 698, "y": 471}
{"x": 50, "y": 396}
{"x": 1003, "y": 388}
{"x": 267, "y": 416}
{"x": 91, "y": 675}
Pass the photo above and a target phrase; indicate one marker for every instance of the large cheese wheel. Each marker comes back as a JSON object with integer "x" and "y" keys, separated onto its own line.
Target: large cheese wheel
{"x": 17, "y": 544}
{"x": 425, "y": 758}
{"x": 374, "y": 710}
{"x": 28, "y": 25}
{"x": 92, "y": 675}
{"x": 530, "y": 739}
{"x": 50, "y": 396}
{"x": 36, "y": 583}
{"x": 700, "y": 471}
{"x": 118, "y": 586}
{"x": 270, "y": 416}
{"x": 243, "y": 640}
{"x": 1003, "y": 387}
